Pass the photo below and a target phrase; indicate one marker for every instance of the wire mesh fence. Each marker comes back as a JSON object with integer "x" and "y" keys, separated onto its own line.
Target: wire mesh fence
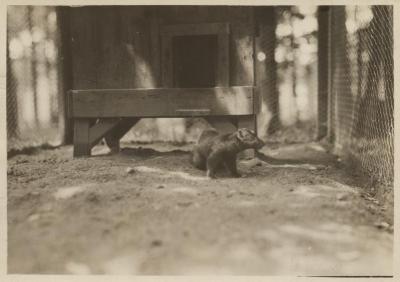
{"x": 362, "y": 87}
{"x": 32, "y": 77}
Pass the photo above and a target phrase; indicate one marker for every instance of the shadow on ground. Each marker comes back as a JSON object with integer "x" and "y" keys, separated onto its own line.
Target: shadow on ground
{"x": 146, "y": 211}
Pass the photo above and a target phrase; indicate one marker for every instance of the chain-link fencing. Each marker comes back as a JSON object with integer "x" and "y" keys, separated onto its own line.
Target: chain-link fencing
{"x": 32, "y": 77}
{"x": 362, "y": 87}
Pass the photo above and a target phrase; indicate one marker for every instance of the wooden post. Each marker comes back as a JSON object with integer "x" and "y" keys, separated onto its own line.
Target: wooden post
{"x": 323, "y": 71}
{"x": 65, "y": 71}
{"x": 266, "y": 72}
{"x": 87, "y": 133}
{"x": 81, "y": 137}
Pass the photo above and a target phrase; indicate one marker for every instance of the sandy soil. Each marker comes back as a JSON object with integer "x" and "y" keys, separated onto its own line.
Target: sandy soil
{"x": 148, "y": 211}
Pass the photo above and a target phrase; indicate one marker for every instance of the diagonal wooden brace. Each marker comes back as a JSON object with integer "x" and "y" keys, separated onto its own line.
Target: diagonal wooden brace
{"x": 87, "y": 133}
{"x": 101, "y": 128}
{"x": 113, "y": 136}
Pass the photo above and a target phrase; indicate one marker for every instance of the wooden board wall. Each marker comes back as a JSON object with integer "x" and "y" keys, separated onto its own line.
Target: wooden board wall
{"x": 118, "y": 47}
{"x": 162, "y": 102}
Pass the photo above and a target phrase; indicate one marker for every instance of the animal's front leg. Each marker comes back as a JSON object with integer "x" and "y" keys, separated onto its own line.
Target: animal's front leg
{"x": 230, "y": 164}
{"x": 213, "y": 161}
{"x": 198, "y": 160}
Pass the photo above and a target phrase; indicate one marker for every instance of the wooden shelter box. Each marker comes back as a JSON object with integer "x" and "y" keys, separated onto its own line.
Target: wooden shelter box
{"x": 133, "y": 62}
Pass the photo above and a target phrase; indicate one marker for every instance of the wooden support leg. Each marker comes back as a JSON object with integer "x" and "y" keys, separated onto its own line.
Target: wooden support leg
{"x": 250, "y": 123}
{"x": 88, "y": 132}
{"x": 81, "y": 137}
{"x": 113, "y": 136}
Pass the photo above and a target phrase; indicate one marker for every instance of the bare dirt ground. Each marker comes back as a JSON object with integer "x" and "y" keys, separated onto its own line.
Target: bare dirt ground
{"x": 146, "y": 211}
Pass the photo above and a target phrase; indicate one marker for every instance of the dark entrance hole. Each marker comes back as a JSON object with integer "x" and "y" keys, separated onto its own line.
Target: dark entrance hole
{"x": 195, "y": 60}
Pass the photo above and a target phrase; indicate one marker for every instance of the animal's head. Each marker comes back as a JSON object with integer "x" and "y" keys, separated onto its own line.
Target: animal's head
{"x": 249, "y": 139}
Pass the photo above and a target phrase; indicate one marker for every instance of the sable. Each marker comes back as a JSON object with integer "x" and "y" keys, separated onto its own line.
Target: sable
{"x": 214, "y": 150}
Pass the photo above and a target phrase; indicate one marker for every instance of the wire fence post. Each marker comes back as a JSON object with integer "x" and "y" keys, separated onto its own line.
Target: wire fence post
{"x": 11, "y": 99}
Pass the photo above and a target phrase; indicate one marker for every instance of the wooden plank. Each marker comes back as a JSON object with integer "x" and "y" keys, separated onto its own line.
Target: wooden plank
{"x": 155, "y": 50}
{"x": 140, "y": 50}
{"x": 64, "y": 68}
{"x": 162, "y": 102}
{"x": 128, "y": 20}
{"x": 223, "y": 60}
{"x": 266, "y": 92}
{"x": 196, "y": 29}
{"x": 204, "y": 14}
{"x": 84, "y": 37}
{"x": 242, "y": 62}
{"x": 104, "y": 45}
{"x": 166, "y": 61}
{"x": 113, "y": 48}
{"x": 223, "y": 101}
{"x": 81, "y": 137}
{"x": 112, "y": 62}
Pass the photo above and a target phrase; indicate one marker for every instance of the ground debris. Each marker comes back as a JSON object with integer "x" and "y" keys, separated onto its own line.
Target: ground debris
{"x": 342, "y": 196}
{"x": 130, "y": 170}
{"x": 156, "y": 243}
{"x": 230, "y": 193}
{"x": 184, "y": 204}
{"x": 382, "y": 225}
{"x": 369, "y": 198}
{"x": 34, "y": 217}
{"x": 92, "y": 197}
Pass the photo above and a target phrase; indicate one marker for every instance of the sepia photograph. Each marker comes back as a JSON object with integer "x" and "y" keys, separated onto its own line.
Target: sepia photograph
{"x": 200, "y": 140}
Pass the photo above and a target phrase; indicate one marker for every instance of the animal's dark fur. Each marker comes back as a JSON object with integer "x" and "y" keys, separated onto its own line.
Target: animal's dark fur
{"x": 213, "y": 149}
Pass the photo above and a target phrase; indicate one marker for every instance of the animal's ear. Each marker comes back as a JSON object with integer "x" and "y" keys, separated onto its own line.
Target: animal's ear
{"x": 240, "y": 134}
